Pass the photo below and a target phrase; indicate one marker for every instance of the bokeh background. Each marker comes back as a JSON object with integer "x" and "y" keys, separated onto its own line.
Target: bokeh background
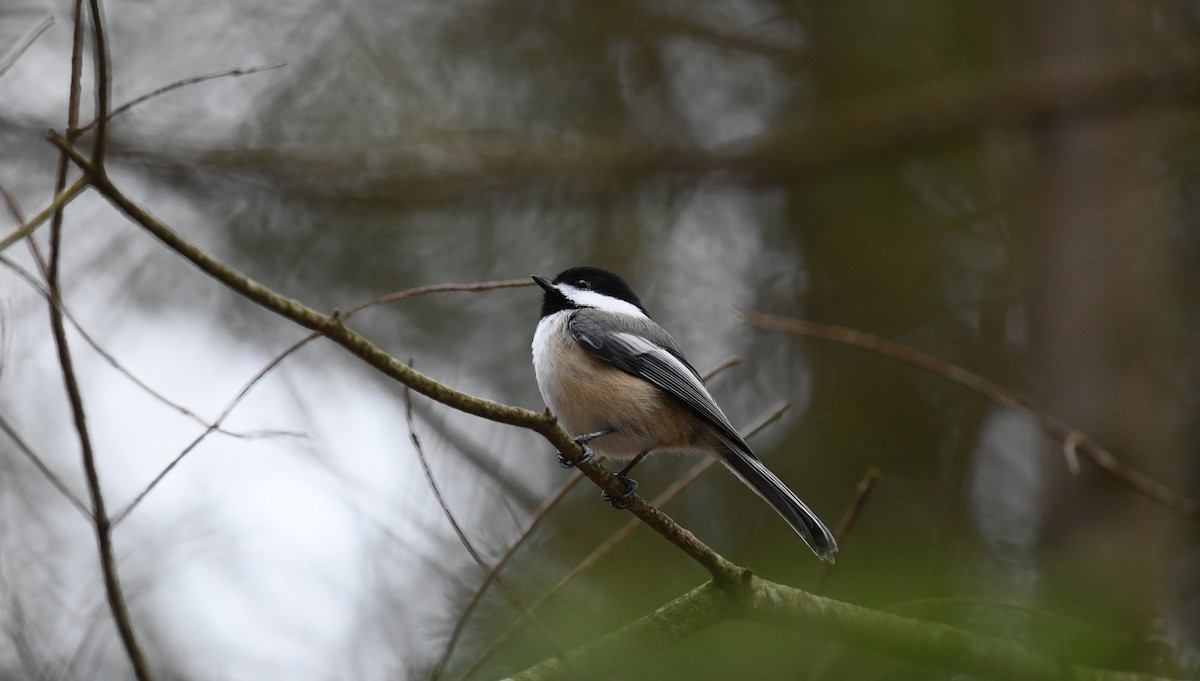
{"x": 1010, "y": 186}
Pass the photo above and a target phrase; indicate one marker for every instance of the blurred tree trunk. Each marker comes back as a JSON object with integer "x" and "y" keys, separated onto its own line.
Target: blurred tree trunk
{"x": 1099, "y": 302}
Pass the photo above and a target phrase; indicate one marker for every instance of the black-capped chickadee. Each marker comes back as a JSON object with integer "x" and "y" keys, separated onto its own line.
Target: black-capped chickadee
{"x": 614, "y": 376}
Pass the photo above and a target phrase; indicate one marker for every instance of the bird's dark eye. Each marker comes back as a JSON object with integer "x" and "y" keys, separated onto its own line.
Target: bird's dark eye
{"x": 583, "y": 284}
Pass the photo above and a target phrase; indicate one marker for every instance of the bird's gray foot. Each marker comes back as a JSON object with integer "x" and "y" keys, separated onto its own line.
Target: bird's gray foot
{"x": 582, "y": 441}
{"x": 618, "y": 502}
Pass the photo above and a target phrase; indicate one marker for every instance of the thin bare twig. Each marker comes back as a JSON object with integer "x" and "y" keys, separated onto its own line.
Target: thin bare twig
{"x": 65, "y": 196}
{"x": 15, "y": 54}
{"x": 54, "y": 210}
{"x": 170, "y": 87}
{"x": 433, "y": 486}
{"x": 462, "y": 536}
{"x": 1077, "y": 441}
{"x": 120, "y": 368}
{"x": 61, "y": 198}
{"x": 728, "y": 363}
{"x": 14, "y": 208}
{"x": 103, "y": 87}
{"x": 474, "y": 287}
{"x": 35, "y": 250}
{"x": 278, "y": 359}
{"x": 539, "y": 514}
{"x": 108, "y": 563}
{"x": 60, "y": 181}
{"x": 438, "y": 288}
{"x": 849, "y": 517}
{"x": 212, "y": 427}
{"x": 68, "y": 666}
{"x": 43, "y": 468}
{"x": 614, "y": 540}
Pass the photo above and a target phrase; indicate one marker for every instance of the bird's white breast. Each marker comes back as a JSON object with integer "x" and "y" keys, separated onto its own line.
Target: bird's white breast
{"x": 587, "y": 395}
{"x": 548, "y": 346}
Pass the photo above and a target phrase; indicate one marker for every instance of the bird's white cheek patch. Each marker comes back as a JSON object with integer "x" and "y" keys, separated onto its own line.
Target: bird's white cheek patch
{"x": 600, "y": 301}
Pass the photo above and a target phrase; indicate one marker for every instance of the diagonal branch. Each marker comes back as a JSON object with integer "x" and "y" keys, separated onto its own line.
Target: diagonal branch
{"x": 1073, "y": 440}
{"x": 333, "y": 328}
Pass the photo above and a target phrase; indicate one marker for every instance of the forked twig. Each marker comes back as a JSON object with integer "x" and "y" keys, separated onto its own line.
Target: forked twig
{"x": 292, "y": 349}
{"x": 212, "y": 427}
{"x": 194, "y": 80}
{"x": 65, "y": 196}
{"x": 108, "y": 562}
{"x": 121, "y": 369}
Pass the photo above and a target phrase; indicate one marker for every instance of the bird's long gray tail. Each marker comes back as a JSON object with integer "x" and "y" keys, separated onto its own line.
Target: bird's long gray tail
{"x": 771, "y": 488}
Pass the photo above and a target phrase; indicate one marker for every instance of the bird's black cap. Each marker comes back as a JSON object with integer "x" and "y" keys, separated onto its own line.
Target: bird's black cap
{"x": 584, "y": 278}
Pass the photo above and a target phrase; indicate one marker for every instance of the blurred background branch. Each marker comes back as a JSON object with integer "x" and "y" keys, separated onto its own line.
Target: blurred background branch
{"x": 1072, "y": 440}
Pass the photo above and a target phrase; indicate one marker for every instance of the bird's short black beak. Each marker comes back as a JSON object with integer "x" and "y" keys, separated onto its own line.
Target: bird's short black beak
{"x": 544, "y": 281}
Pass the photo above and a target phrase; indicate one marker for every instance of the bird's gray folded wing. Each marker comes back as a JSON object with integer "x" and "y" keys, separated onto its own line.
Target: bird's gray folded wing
{"x": 657, "y": 363}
